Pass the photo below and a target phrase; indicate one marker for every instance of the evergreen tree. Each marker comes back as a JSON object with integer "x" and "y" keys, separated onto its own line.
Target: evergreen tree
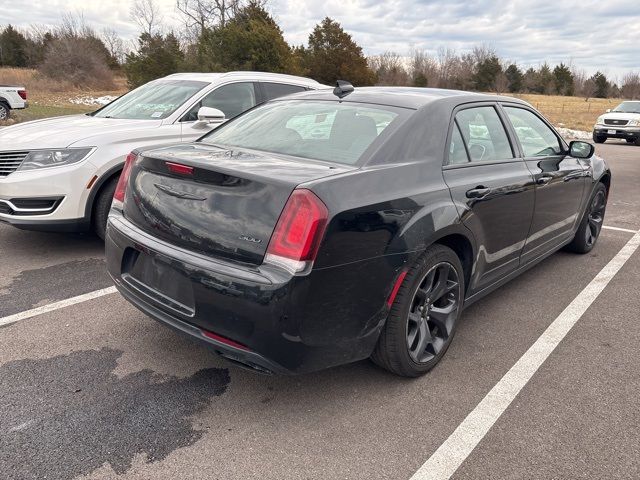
{"x": 601, "y": 85}
{"x": 515, "y": 78}
{"x": 333, "y": 55}
{"x": 157, "y": 56}
{"x": 13, "y": 46}
{"x": 563, "y": 80}
{"x": 486, "y": 73}
{"x": 251, "y": 40}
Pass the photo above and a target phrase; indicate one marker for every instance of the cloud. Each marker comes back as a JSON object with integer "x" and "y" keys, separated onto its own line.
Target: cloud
{"x": 593, "y": 35}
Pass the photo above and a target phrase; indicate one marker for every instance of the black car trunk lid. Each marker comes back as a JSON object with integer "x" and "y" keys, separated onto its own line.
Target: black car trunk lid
{"x": 220, "y": 202}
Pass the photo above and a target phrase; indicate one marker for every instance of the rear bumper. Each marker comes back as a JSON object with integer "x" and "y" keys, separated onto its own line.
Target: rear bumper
{"x": 283, "y": 323}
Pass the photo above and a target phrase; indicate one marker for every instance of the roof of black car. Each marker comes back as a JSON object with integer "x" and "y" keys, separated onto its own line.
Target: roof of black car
{"x": 408, "y": 97}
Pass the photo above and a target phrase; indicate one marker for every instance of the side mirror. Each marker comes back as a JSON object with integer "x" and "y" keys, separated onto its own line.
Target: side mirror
{"x": 579, "y": 149}
{"x": 608, "y": 110}
{"x": 210, "y": 115}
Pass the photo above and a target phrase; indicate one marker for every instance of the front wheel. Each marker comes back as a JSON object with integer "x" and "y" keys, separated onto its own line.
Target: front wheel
{"x": 599, "y": 138}
{"x": 102, "y": 206}
{"x": 423, "y": 318}
{"x": 591, "y": 224}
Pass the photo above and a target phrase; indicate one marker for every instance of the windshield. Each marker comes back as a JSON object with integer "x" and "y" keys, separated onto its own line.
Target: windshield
{"x": 628, "y": 107}
{"x": 152, "y": 101}
{"x": 319, "y": 130}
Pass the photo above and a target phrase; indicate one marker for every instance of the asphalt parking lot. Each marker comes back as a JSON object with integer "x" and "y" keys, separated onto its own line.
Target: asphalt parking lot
{"x": 97, "y": 390}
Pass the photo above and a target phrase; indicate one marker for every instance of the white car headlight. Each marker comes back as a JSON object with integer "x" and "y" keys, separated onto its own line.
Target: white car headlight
{"x": 600, "y": 119}
{"x": 634, "y": 123}
{"x": 54, "y": 158}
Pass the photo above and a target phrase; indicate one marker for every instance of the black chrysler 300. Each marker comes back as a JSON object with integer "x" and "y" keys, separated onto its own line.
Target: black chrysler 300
{"x": 328, "y": 227}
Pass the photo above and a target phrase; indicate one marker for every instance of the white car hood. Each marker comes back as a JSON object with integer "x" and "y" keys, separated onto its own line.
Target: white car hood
{"x": 61, "y": 132}
{"x": 621, "y": 116}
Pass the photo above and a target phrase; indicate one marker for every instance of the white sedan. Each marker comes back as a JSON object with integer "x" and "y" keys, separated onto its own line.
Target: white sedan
{"x": 59, "y": 174}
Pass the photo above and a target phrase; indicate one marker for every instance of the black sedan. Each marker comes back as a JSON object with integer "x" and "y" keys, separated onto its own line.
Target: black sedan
{"x": 329, "y": 227}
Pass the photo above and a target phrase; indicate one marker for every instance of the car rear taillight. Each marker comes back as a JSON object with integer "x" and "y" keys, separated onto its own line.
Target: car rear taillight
{"x": 121, "y": 188}
{"x": 296, "y": 238}
{"x": 23, "y": 94}
{"x": 179, "y": 168}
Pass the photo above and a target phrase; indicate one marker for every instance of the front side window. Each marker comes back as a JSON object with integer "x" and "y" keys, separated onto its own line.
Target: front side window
{"x": 484, "y": 134}
{"x": 535, "y": 136}
{"x": 320, "y": 130}
{"x": 232, "y": 99}
{"x": 152, "y": 101}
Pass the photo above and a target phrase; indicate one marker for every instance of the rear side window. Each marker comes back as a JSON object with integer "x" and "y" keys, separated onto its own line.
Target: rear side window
{"x": 484, "y": 134}
{"x": 232, "y": 99}
{"x": 457, "y": 150}
{"x": 535, "y": 136}
{"x": 275, "y": 90}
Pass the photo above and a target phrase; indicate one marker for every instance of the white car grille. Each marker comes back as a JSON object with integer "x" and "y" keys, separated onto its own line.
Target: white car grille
{"x": 10, "y": 161}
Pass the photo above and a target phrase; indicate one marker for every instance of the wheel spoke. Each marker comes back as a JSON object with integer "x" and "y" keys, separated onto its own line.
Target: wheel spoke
{"x": 441, "y": 317}
{"x": 423, "y": 340}
{"x": 440, "y": 288}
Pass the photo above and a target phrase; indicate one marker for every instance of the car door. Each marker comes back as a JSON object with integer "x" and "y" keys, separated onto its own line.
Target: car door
{"x": 232, "y": 98}
{"x": 492, "y": 188}
{"x": 560, "y": 181}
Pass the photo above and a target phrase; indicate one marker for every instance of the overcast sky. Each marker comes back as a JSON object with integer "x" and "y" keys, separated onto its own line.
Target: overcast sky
{"x": 594, "y": 35}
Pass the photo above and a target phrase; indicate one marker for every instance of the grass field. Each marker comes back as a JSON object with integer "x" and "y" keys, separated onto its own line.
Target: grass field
{"x": 570, "y": 112}
{"x": 49, "y": 98}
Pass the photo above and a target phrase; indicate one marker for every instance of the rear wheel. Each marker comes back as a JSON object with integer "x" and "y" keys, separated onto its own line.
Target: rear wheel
{"x": 4, "y": 111}
{"x": 424, "y": 315}
{"x": 102, "y": 206}
{"x": 631, "y": 140}
{"x": 599, "y": 138}
{"x": 591, "y": 224}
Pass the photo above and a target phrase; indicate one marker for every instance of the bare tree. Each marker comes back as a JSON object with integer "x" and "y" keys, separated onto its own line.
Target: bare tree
{"x": 146, "y": 14}
{"x": 423, "y": 69}
{"x": 390, "y": 69}
{"x": 201, "y": 14}
{"x": 114, "y": 44}
{"x": 631, "y": 86}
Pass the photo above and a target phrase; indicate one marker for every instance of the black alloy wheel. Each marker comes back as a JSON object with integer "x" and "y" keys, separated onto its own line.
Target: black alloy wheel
{"x": 433, "y": 312}
{"x": 589, "y": 229}
{"x": 423, "y": 317}
{"x": 595, "y": 217}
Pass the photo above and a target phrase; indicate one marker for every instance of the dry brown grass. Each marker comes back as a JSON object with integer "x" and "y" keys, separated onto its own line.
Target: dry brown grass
{"x": 570, "y": 112}
{"x": 48, "y": 97}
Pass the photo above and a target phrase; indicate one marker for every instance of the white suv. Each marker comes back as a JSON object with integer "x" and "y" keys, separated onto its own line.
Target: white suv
{"x": 59, "y": 174}
{"x": 621, "y": 122}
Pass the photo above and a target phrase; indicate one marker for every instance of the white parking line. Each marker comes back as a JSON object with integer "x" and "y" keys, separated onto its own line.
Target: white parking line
{"x": 618, "y": 229}
{"x": 450, "y": 455}
{"x": 56, "y": 306}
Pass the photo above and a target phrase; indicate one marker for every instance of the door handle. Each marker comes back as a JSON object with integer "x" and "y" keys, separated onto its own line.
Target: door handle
{"x": 544, "y": 180}
{"x": 478, "y": 192}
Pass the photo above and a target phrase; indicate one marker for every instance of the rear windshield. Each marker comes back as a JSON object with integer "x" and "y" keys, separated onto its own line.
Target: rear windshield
{"x": 319, "y": 130}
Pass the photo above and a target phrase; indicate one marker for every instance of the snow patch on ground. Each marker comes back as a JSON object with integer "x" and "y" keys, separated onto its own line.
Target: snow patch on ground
{"x": 87, "y": 100}
{"x": 574, "y": 134}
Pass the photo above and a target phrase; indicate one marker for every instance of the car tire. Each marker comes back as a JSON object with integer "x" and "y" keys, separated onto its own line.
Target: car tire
{"x": 4, "y": 111}
{"x": 419, "y": 329}
{"x": 637, "y": 142}
{"x": 101, "y": 207}
{"x": 631, "y": 140}
{"x": 599, "y": 138}
{"x": 592, "y": 221}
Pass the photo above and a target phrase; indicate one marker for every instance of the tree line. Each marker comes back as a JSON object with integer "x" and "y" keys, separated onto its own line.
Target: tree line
{"x": 225, "y": 35}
